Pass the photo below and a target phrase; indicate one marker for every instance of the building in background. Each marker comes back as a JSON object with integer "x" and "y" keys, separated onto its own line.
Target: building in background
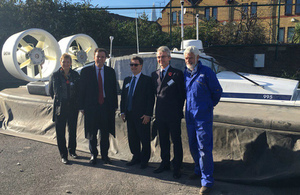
{"x": 224, "y": 11}
{"x": 153, "y": 13}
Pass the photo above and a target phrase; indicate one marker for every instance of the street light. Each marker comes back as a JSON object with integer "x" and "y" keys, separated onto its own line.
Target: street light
{"x": 182, "y": 34}
{"x": 111, "y": 38}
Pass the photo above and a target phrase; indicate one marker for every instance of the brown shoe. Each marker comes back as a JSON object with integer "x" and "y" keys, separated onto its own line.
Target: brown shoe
{"x": 204, "y": 190}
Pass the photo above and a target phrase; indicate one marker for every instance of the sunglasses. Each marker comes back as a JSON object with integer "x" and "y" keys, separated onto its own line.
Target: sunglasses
{"x": 134, "y": 65}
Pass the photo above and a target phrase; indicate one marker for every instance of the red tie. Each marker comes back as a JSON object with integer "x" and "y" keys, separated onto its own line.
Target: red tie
{"x": 100, "y": 97}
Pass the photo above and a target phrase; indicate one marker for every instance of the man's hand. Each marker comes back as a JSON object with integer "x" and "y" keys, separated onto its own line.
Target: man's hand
{"x": 146, "y": 119}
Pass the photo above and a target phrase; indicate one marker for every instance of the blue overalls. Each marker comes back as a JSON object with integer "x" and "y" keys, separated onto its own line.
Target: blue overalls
{"x": 203, "y": 92}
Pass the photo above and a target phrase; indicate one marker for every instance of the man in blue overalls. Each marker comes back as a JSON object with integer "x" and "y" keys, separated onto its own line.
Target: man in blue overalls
{"x": 203, "y": 92}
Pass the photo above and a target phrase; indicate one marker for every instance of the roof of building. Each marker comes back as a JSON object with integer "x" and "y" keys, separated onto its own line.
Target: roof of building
{"x": 194, "y": 2}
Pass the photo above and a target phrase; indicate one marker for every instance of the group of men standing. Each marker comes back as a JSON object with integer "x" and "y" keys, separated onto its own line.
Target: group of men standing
{"x": 169, "y": 88}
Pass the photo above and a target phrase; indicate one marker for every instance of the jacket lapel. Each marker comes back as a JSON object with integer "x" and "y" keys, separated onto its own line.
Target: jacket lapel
{"x": 166, "y": 78}
{"x": 94, "y": 75}
{"x": 159, "y": 81}
{"x": 138, "y": 85}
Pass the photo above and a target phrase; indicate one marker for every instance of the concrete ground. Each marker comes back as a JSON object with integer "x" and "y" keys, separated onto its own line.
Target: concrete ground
{"x": 32, "y": 166}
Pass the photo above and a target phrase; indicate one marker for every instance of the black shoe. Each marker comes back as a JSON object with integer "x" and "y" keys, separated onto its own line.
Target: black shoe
{"x": 64, "y": 160}
{"x": 106, "y": 160}
{"x": 133, "y": 162}
{"x": 73, "y": 155}
{"x": 93, "y": 160}
{"x": 144, "y": 165}
{"x": 176, "y": 174}
{"x": 194, "y": 176}
{"x": 162, "y": 168}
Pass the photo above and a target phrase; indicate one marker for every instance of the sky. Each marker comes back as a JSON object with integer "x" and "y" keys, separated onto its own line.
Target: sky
{"x": 130, "y": 3}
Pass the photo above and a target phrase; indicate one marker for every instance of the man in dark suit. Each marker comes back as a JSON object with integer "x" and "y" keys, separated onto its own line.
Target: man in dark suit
{"x": 169, "y": 89}
{"x": 98, "y": 102}
{"x": 137, "y": 101}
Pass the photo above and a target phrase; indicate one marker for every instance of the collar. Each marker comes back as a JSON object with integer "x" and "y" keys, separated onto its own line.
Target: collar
{"x": 97, "y": 68}
{"x": 166, "y": 69}
{"x": 137, "y": 76}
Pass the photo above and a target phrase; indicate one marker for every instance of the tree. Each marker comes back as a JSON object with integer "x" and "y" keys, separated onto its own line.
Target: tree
{"x": 296, "y": 37}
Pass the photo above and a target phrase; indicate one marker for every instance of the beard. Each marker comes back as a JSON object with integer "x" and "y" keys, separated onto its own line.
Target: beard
{"x": 191, "y": 66}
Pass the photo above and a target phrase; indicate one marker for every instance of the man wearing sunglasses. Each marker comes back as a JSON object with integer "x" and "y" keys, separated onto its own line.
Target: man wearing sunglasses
{"x": 137, "y": 101}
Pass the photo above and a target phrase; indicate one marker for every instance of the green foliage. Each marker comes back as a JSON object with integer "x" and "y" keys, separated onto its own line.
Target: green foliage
{"x": 149, "y": 33}
{"x": 291, "y": 75}
{"x": 296, "y": 38}
{"x": 62, "y": 18}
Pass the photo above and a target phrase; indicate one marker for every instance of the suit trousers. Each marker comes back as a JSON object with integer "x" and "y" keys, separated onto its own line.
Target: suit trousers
{"x": 165, "y": 129}
{"x": 68, "y": 116}
{"x": 138, "y": 134}
{"x": 101, "y": 123}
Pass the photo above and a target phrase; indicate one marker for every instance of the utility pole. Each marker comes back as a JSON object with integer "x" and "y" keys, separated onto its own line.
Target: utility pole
{"x": 171, "y": 15}
{"x": 182, "y": 30}
{"x": 278, "y": 27}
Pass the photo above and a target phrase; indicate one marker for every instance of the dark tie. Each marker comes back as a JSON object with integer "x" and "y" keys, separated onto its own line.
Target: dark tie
{"x": 129, "y": 107}
{"x": 162, "y": 74}
{"x": 100, "y": 87}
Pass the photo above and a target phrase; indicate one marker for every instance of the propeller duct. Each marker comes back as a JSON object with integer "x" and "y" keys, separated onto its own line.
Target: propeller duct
{"x": 31, "y": 55}
{"x": 81, "y": 47}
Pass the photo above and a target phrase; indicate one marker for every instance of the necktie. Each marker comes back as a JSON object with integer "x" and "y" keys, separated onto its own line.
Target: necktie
{"x": 162, "y": 74}
{"x": 129, "y": 107}
{"x": 100, "y": 87}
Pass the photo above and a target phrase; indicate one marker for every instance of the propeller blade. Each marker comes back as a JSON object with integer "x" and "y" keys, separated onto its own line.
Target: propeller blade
{"x": 71, "y": 51}
{"x": 50, "y": 58}
{"x": 21, "y": 49}
{"x": 40, "y": 71}
{"x": 24, "y": 64}
{"x": 25, "y": 45}
{"x": 78, "y": 46}
{"x": 88, "y": 50}
{"x": 73, "y": 57}
{"x": 41, "y": 43}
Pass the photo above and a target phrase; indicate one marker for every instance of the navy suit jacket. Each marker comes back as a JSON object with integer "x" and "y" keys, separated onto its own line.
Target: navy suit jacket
{"x": 143, "y": 97}
{"x": 170, "y": 94}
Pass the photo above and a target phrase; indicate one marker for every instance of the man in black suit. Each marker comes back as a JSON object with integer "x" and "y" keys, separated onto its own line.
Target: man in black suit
{"x": 169, "y": 89}
{"x": 137, "y": 101}
{"x": 98, "y": 102}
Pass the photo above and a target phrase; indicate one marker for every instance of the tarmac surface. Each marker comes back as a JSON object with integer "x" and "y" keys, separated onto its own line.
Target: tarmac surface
{"x": 32, "y": 167}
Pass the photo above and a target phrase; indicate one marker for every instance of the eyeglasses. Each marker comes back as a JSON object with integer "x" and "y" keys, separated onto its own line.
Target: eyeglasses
{"x": 160, "y": 57}
{"x": 134, "y": 65}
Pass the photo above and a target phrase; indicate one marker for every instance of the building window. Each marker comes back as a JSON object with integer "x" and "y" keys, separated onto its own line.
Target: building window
{"x": 174, "y": 17}
{"x": 253, "y": 9}
{"x": 244, "y": 10}
{"x": 207, "y": 13}
{"x": 290, "y": 34}
{"x": 297, "y": 7}
{"x": 288, "y": 7}
{"x": 215, "y": 13}
{"x": 281, "y": 35}
{"x": 179, "y": 17}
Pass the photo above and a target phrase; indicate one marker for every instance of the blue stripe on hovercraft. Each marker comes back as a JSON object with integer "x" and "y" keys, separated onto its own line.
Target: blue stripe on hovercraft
{"x": 256, "y": 96}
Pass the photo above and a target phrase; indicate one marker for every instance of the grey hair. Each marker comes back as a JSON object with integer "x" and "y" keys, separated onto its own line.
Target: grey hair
{"x": 164, "y": 49}
{"x": 192, "y": 49}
